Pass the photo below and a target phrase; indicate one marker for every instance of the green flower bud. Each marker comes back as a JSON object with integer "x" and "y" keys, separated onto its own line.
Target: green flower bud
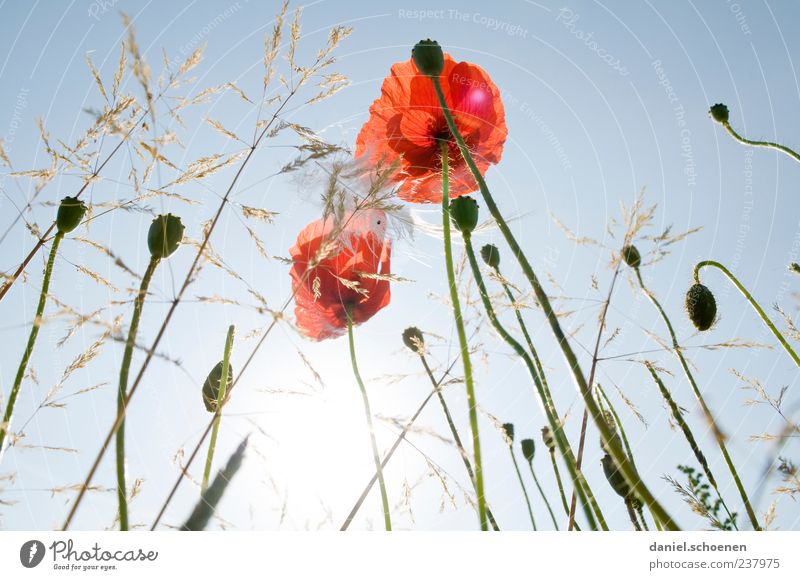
{"x": 428, "y": 57}
{"x": 212, "y": 384}
{"x": 491, "y": 255}
{"x": 413, "y": 339}
{"x": 528, "y": 449}
{"x": 615, "y": 478}
{"x": 631, "y": 256}
{"x": 70, "y": 214}
{"x": 165, "y": 235}
{"x": 464, "y": 213}
{"x": 508, "y": 431}
{"x": 794, "y": 267}
{"x": 701, "y": 306}
{"x": 612, "y": 426}
{"x": 547, "y": 438}
{"x": 719, "y": 113}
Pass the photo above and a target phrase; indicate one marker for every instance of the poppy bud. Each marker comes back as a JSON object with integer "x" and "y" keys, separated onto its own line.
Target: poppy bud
{"x": 212, "y": 384}
{"x": 701, "y": 306}
{"x": 631, "y": 256}
{"x": 547, "y": 437}
{"x": 508, "y": 431}
{"x": 412, "y": 338}
{"x": 165, "y": 235}
{"x": 794, "y": 267}
{"x": 719, "y": 113}
{"x": 428, "y": 57}
{"x": 491, "y": 255}
{"x": 464, "y": 213}
{"x": 615, "y": 477}
{"x": 70, "y": 213}
{"x": 528, "y": 449}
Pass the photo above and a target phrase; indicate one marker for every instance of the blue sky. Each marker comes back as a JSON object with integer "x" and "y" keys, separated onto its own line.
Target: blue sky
{"x": 602, "y": 100}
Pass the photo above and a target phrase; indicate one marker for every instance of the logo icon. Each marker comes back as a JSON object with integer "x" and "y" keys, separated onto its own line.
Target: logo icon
{"x": 31, "y": 553}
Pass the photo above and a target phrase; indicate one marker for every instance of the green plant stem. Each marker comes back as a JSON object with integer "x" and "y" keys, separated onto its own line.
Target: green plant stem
{"x": 677, "y": 415}
{"x": 522, "y": 485}
{"x": 456, "y": 437}
{"x": 587, "y": 498}
{"x": 765, "y": 144}
{"x": 26, "y": 355}
{"x": 557, "y": 474}
{"x": 462, "y": 337}
{"x": 541, "y": 493}
{"x": 632, "y": 515}
{"x": 624, "y": 466}
{"x": 387, "y": 519}
{"x": 221, "y": 395}
{"x": 700, "y": 399}
{"x": 752, "y": 301}
{"x": 122, "y": 391}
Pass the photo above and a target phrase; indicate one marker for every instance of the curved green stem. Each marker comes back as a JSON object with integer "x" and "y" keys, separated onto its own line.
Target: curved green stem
{"x": 616, "y": 452}
{"x": 765, "y": 144}
{"x": 26, "y": 355}
{"x": 462, "y": 337}
{"x": 676, "y": 347}
{"x": 456, "y": 437}
{"x": 122, "y": 391}
{"x": 221, "y": 398}
{"x": 522, "y": 485}
{"x": 387, "y": 520}
{"x": 752, "y": 301}
{"x": 544, "y": 497}
{"x": 582, "y": 487}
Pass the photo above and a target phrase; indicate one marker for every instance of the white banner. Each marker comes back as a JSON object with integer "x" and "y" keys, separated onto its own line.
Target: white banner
{"x": 400, "y": 556}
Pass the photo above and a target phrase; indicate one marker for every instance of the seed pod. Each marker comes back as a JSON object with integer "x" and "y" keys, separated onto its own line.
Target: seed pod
{"x": 70, "y": 214}
{"x": 464, "y": 213}
{"x": 212, "y": 384}
{"x": 719, "y": 113}
{"x": 701, "y": 306}
{"x": 428, "y": 57}
{"x": 165, "y": 235}
{"x": 508, "y": 431}
{"x": 615, "y": 477}
{"x": 547, "y": 438}
{"x": 528, "y": 449}
{"x": 491, "y": 255}
{"x": 412, "y": 338}
{"x": 631, "y": 256}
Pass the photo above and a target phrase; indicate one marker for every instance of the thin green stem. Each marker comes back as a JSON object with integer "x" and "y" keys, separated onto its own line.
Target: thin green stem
{"x": 582, "y": 487}
{"x": 560, "y": 484}
{"x": 387, "y": 519}
{"x": 616, "y": 452}
{"x": 700, "y": 399}
{"x": 752, "y": 301}
{"x": 522, "y": 485}
{"x": 221, "y": 397}
{"x": 122, "y": 391}
{"x": 765, "y": 144}
{"x": 544, "y": 497}
{"x": 677, "y": 415}
{"x": 462, "y": 338}
{"x": 454, "y": 432}
{"x": 26, "y": 355}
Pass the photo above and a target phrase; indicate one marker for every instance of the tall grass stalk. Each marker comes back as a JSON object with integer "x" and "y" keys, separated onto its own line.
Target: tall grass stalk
{"x": 676, "y": 348}
{"x": 221, "y": 399}
{"x": 509, "y": 435}
{"x": 541, "y": 492}
{"x": 617, "y": 454}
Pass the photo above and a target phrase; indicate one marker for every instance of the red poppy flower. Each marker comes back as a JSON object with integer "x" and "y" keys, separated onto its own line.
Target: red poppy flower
{"x": 331, "y": 275}
{"x": 407, "y": 122}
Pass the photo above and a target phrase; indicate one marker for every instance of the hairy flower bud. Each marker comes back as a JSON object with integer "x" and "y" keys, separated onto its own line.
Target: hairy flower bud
{"x": 701, "y": 306}
{"x": 508, "y": 431}
{"x": 413, "y": 339}
{"x": 70, "y": 214}
{"x": 719, "y": 113}
{"x": 615, "y": 478}
{"x": 428, "y": 57}
{"x": 165, "y": 235}
{"x": 528, "y": 449}
{"x": 631, "y": 256}
{"x": 212, "y": 385}
{"x": 547, "y": 438}
{"x": 491, "y": 255}
{"x": 464, "y": 213}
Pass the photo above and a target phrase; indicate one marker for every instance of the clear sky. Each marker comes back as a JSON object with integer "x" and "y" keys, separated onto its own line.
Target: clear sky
{"x": 602, "y": 99}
